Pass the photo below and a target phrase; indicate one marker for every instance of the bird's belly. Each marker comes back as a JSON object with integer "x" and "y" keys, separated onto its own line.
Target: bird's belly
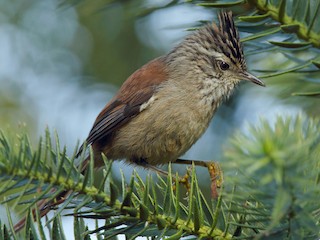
{"x": 155, "y": 138}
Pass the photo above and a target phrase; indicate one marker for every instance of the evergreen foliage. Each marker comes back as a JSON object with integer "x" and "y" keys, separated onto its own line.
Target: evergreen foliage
{"x": 271, "y": 172}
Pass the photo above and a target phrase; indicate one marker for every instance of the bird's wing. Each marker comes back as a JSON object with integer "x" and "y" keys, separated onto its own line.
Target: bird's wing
{"x": 137, "y": 90}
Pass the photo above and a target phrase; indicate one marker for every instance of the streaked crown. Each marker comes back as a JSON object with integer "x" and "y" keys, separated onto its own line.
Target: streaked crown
{"x": 227, "y": 38}
{"x": 224, "y": 39}
{"x": 213, "y": 41}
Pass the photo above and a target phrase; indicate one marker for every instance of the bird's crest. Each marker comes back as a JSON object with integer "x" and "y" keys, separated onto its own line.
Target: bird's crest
{"x": 226, "y": 38}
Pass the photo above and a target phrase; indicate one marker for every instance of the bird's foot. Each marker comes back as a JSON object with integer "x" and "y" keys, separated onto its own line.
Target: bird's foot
{"x": 215, "y": 172}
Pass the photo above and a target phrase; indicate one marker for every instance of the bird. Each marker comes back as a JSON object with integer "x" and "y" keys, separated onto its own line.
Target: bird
{"x": 164, "y": 107}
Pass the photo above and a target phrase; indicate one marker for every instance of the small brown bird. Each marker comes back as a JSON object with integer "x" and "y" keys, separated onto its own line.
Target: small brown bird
{"x": 163, "y": 108}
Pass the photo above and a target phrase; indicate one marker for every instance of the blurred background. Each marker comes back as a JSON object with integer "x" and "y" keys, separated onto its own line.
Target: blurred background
{"x": 61, "y": 62}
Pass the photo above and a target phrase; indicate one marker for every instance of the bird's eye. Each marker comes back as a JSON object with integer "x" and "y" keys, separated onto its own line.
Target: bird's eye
{"x": 223, "y": 65}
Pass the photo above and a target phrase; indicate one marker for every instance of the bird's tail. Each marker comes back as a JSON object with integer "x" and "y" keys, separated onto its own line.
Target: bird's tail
{"x": 44, "y": 206}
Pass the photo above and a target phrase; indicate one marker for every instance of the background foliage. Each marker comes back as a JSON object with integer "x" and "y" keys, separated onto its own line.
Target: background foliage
{"x": 271, "y": 169}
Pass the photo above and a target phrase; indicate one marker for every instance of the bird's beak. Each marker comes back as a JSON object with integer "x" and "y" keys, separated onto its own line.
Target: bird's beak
{"x": 249, "y": 77}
